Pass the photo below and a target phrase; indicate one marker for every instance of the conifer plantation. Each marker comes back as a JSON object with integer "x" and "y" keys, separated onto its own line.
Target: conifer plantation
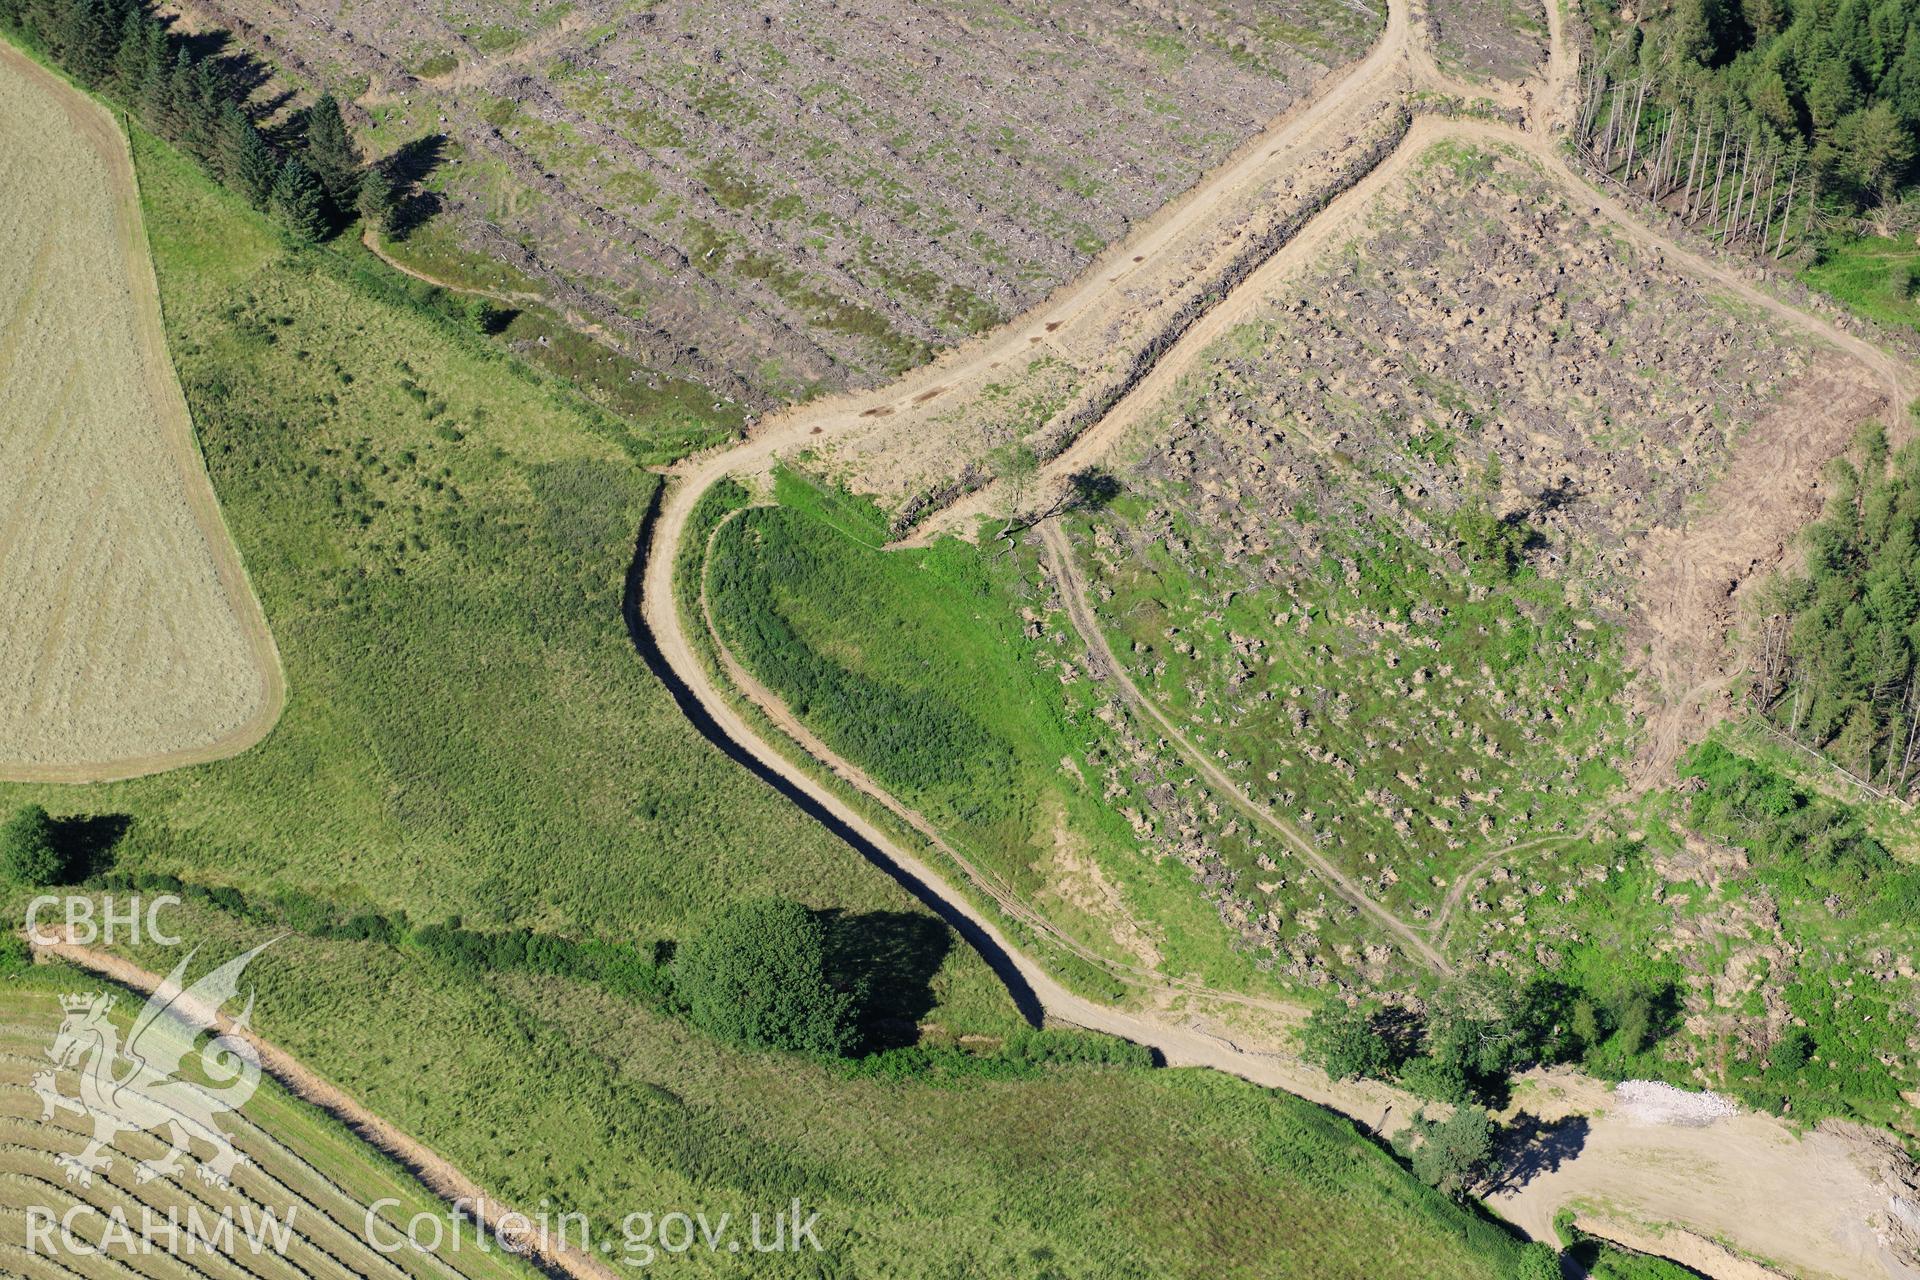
{"x": 1834, "y": 656}
{"x": 1759, "y": 122}
{"x": 123, "y": 50}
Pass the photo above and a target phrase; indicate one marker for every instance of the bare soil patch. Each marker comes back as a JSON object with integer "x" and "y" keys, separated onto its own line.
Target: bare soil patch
{"x": 133, "y": 642}
{"x": 1819, "y": 1203}
{"x": 1079, "y": 884}
{"x": 1695, "y": 576}
{"x": 1488, "y": 39}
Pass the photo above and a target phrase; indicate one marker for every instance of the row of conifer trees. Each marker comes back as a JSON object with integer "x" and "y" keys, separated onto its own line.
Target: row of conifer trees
{"x": 309, "y": 178}
{"x": 1764, "y": 122}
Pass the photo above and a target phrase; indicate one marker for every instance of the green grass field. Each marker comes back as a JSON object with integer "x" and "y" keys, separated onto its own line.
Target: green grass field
{"x": 551, "y": 1091}
{"x": 1876, "y": 276}
{"x": 440, "y": 540}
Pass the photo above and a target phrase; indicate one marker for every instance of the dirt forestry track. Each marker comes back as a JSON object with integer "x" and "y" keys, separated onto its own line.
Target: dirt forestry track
{"x": 1060, "y": 559}
{"x": 134, "y": 642}
{"x": 1810, "y": 1203}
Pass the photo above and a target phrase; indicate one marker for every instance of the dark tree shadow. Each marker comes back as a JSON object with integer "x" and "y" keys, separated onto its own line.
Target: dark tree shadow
{"x": 86, "y": 843}
{"x": 239, "y": 68}
{"x": 1558, "y": 496}
{"x": 1091, "y": 489}
{"x": 1493, "y": 1092}
{"x": 409, "y": 167}
{"x": 415, "y": 161}
{"x": 1530, "y": 1147}
{"x": 490, "y": 319}
{"x": 1667, "y": 1011}
{"x": 892, "y": 956}
{"x": 215, "y": 44}
{"x": 1403, "y": 1030}
{"x": 270, "y": 106}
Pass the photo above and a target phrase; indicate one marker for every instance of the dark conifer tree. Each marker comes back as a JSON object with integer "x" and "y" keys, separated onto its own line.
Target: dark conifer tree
{"x": 378, "y": 203}
{"x": 330, "y": 152}
{"x": 1901, "y": 85}
{"x": 206, "y": 99}
{"x": 297, "y": 203}
{"x": 169, "y": 103}
{"x": 133, "y": 57}
{"x": 82, "y": 42}
{"x": 150, "y": 97}
{"x": 245, "y": 162}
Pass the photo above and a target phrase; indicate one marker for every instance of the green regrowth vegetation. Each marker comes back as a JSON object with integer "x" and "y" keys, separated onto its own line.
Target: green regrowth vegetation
{"x": 908, "y": 663}
{"x": 1844, "y": 910}
{"x": 1751, "y": 932}
{"x": 1877, "y": 276}
{"x": 1413, "y": 715}
{"x": 1539, "y": 1262}
{"x": 1478, "y": 1031}
{"x": 1809, "y": 846}
{"x": 942, "y": 674}
{"x": 1602, "y": 1260}
{"x": 1454, "y": 1155}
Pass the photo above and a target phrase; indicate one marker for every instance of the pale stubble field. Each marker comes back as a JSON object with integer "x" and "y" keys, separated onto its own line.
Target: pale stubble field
{"x": 130, "y": 640}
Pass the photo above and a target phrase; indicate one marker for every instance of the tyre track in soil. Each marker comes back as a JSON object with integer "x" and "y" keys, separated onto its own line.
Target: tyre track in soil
{"x": 1059, "y": 559}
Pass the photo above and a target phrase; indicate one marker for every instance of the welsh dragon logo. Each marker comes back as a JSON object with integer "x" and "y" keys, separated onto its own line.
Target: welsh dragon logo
{"x": 136, "y": 1087}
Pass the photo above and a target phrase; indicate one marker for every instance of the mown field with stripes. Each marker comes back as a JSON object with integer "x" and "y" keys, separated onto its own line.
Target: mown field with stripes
{"x": 297, "y": 1209}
